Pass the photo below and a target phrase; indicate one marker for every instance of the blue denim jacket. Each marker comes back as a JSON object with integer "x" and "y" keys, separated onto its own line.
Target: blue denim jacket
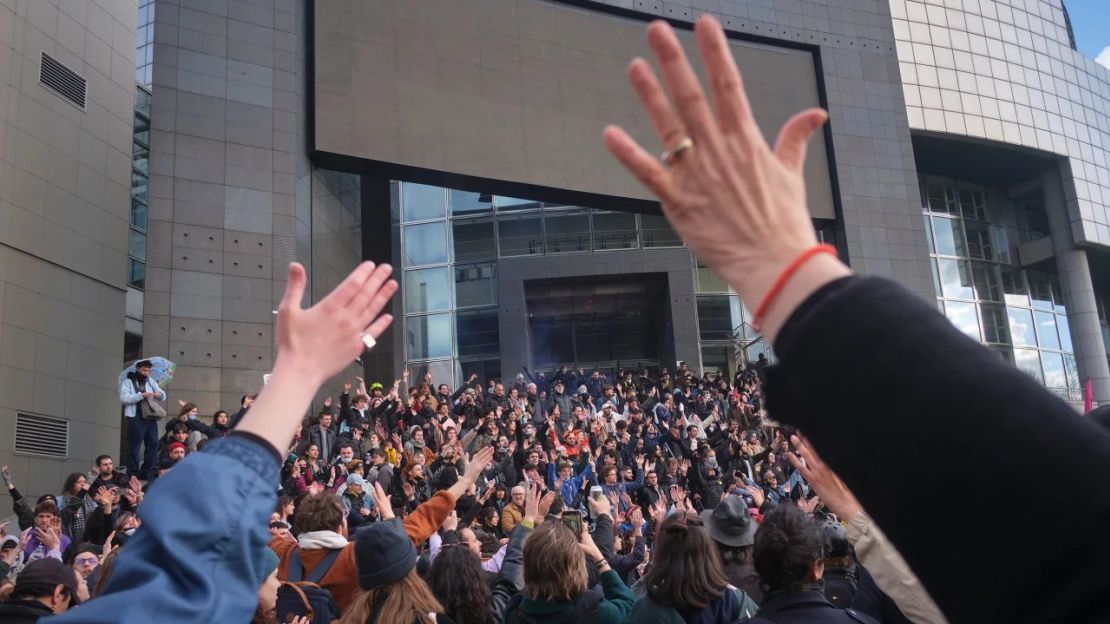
{"x": 198, "y": 555}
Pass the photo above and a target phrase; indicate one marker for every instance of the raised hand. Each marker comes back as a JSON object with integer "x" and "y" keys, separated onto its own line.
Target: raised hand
{"x": 382, "y": 503}
{"x": 327, "y": 402}
{"x": 135, "y": 485}
{"x": 738, "y": 203}
{"x": 828, "y": 486}
{"x": 315, "y": 488}
{"x": 757, "y": 495}
{"x": 545, "y": 504}
{"x": 532, "y": 502}
{"x": 346, "y": 386}
{"x": 451, "y": 522}
{"x": 600, "y": 506}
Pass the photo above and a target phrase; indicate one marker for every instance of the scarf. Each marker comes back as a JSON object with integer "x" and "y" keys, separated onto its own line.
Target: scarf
{"x": 310, "y": 540}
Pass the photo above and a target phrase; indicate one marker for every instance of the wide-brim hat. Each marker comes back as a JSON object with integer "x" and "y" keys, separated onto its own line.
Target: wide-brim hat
{"x": 730, "y": 523}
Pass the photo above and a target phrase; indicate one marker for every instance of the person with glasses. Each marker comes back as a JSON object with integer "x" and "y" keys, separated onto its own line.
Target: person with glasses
{"x": 85, "y": 559}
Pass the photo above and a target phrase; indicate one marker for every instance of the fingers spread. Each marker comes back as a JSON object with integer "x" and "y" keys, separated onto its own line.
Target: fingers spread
{"x": 294, "y": 287}
{"x": 645, "y": 167}
{"x": 380, "y": 324}
{"x": 667, "y": 123}
{"x": 682, "y": 83}
{"x": 349, "y": 288}
{"x": 372, "y": 297}
{"x": 790, "y": 146}
{"x": 734, "y": 113}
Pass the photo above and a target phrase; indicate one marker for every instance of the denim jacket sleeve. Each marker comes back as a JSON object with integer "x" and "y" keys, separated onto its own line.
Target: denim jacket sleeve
{"x": 198, "y": 555}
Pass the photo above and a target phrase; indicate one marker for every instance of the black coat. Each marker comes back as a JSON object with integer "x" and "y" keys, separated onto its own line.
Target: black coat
{"x": 894, "y": 356}
{"x": 23, "y": 611}
{"x": 806, "y": 608}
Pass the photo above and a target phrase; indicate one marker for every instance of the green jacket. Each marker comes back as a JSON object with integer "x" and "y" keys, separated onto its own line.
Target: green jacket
{"x": 732, "y": 606}
{"x": 612, "y": 610}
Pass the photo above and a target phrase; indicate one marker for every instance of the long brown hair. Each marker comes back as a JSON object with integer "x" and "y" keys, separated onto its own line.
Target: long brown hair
{"x": 407, "y": 600}
{"x": 106, "y": 565}
{"x": 686, "y": 572}
{"x": 554, "y": 567}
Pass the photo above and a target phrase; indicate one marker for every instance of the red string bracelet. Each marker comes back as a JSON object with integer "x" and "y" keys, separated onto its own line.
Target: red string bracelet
{"x": 784, "y": 277}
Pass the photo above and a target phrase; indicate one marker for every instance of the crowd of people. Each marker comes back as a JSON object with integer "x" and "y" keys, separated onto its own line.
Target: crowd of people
{"x": 649, "y": 497}
{"x": 517, "y": 502}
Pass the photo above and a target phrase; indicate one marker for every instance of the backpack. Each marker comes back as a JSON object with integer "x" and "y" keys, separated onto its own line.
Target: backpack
{"x": 841, "y": 585}
{"x": 306, "y": 598}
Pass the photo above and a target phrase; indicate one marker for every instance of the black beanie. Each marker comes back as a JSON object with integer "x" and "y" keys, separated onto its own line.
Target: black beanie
{"x": 383, "y": 554}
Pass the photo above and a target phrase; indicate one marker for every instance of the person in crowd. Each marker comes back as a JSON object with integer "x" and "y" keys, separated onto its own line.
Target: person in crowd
{"x": 357, "y": 502}
{"x": 84, "y": 559}
{"x": 245, "y": 404}
{"x": 555, "y": 580}
{"x": 732, "y": 529}
{"x": 789, "y": 557}
{"x": 513, "y": 512}
{"x": 220, "y": 427}
{"x": 460, "y": 583}
{"x": 686, "y": 579}
{"x": 106, "y": 474}
{"x": 849, "y": 585}
{"x": 142, "y": 433}
{"x": 75, "y": 506}
{"x": 43, "y": 588}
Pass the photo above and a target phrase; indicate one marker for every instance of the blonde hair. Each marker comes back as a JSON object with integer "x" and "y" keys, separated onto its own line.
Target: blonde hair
{"x": 407, "y": 600}
{"x": 554, "y": 566}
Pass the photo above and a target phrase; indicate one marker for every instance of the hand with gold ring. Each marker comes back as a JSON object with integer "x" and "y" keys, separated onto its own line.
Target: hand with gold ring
{"x": 738, "y": 203}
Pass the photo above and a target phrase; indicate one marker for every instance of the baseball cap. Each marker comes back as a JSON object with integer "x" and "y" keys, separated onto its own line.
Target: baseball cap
{"x": 41, "y": 576}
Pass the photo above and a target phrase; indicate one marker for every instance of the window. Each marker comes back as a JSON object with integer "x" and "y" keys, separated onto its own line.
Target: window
{"x": 979, "y": 243}
{"x": 1021, "y": 327}
{"x": 963, "y": 316}
{"x": 1046, "y": 330}
{"x": 474, "y": 239}
{"x": 427, "y": 290}
{"x": 136, "y": 273}
{"x": 718, "y": 315}
{"x": 949, "y": 240}
{"x": 955, "y": 278}
{"x": 657, "y": 232}
{"x": 995, "y": 324}
{"x": 475, "y": 285}
{"x": 428, "y": 337}
{"x": 941, "y": 198}
{"x": 615, "y": 230}
{"x": 986, "y": 281}
{"x": 506, "y": 204}
{"x": 443, "y": 372}
{"x": 425, "y": 244}
{"x": 136, "y": 244}
{"x": 520, "y": 235}
{"x": 138, "y": 214}
{"x": 706, "y": 281}
{"x": 139, "y": 186}
{"x": 1028, "y": 361}
{"x": 477, "y": 332}
{"x": 567, "y": 231}
{"x": 420, "y": 202}
{"x": 466, "y": 203}
{"x": 1054, "y": 372}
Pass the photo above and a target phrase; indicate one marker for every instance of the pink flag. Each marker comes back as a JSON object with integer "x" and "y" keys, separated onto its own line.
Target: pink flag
{"x": 1088, "y": 397}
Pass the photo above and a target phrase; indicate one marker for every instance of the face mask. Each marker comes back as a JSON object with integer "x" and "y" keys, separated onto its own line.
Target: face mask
{"x": 129, "y": 531}
{"x": 711, "y": 462}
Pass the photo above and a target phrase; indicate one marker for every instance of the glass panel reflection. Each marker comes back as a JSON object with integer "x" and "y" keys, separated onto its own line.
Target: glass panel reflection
{"x": 428, "y": 336}
{"x": 1027, "y": 360}
{"x": 465, "y": 202}
{"x": 443, "y": 372}
{"x": 614, "y": 230}
{"x": 949, "y": 240}
{"x": 520, "y": 235}
{"x": 567, "y": 231}
{"x": 474, "y": 239}
{"x": 963, "y": 316}
{"x": 1021, "y": 327}
{"x": 995, "y": 325}
{"x": 427, "y": 290}
{"x": 1054, "y": 373}
{"x": 477, "y": 332}
{"x": 425, "y": 244}
{"x": 718, "y": 315}
{"x": 658, "y": 233}
{"x": 421, "y": 202}
{"x": 475, "y": 285}
{"x": 955, "y": 277}
{"x": 1046, "y": 330}
{"x": 1065, "y": 334}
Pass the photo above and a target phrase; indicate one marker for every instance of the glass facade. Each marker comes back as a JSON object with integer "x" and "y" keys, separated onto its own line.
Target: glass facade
{"x": 450, "y": 241}
{"x": 144, "y": 43}
{"x": 1018, "y": 313}
{"x": 140, "y": 182}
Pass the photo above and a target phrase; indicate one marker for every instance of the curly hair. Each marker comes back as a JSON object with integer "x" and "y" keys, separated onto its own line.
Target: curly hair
{"x": 458, "y": 581}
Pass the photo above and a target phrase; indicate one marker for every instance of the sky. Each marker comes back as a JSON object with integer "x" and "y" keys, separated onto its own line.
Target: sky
{"x": 1090, "y": 19}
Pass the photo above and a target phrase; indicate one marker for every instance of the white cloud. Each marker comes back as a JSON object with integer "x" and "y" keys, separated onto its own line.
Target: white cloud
{"x": 1103, "y": 57}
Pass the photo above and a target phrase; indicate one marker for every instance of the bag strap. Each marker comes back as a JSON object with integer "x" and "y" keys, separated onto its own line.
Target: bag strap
{"x": 322, "y": 568}
{"x": 304, "y": 599}
{"x": 296, "y": 568}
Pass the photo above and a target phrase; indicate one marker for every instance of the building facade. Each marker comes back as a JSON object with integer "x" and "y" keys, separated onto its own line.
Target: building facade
{"x": 965, "y": 157}
{"x": 66, "y": 113}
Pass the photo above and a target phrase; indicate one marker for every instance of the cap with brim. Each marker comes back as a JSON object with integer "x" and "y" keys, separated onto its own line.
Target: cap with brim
{"x": 730, "y": 523}
{"x": 41, "y": 576}
{"x": 9, "y": 541}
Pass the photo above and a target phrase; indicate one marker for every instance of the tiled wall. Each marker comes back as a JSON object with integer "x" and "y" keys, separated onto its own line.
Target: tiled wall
{"x": 233, "y": 196}
{"x": 1004, "y": 70}
{"x": 65, "y": 175}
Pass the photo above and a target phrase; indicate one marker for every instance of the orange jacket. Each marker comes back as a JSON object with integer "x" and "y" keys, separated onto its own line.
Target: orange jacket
{"x": 342, "y": 579}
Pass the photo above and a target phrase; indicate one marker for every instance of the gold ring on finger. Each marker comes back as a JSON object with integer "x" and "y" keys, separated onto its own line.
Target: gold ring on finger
{"x": 669, "y": 156}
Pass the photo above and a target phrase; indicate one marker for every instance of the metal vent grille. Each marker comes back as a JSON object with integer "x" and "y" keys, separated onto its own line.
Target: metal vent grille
{"x": 63, "y": 80}
{"x": 41, "y": 436}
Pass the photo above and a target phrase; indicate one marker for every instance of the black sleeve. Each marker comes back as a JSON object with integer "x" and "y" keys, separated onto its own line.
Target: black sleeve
{"x": 211, "y": 432}
{"x": 898, "y": 358}
{"x": 603, "y": 536}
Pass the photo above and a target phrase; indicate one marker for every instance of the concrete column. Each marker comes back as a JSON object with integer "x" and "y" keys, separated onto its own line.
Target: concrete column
{"x": 1078, "y": 289}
